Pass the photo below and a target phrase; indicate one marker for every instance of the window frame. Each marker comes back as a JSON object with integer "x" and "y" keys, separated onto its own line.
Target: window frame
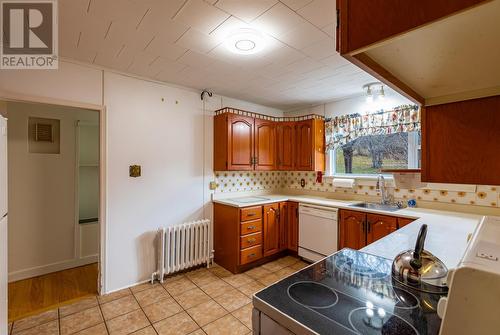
{"x": 413, "y": 156}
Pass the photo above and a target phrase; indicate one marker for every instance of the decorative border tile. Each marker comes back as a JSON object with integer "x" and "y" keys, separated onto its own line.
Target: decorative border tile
{"x": 248, "y": 181}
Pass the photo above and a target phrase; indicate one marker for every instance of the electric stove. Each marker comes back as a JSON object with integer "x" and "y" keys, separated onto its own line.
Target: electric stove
{"x": 351, "y": 292}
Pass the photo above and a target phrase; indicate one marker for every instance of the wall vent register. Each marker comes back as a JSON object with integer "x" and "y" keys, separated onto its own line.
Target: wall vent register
{"x": 44, "y": 135}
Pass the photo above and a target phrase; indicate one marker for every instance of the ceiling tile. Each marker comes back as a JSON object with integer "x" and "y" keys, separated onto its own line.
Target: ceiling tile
{"x": 319, "y": 12}
{"x": 201, "y": 15}
{"x": 296, "y": 4}
{"x": 197, "y": 41}
{"x": 335, "y": 61}
{"x": 167, "y": 69}
{"x": 160, "y": 47}
{"x": 304, "y": 65}
{"x": 278, "y": 21}
{"x": 142, "y": 65}
{"x": 245, "y": 10}
{"x": 329, "y": 29}
{"x": 227, "y": 27}
{"x": 303, "y": 35}
{"x": 321, "y": 49}
{"x": 196, "y": 60}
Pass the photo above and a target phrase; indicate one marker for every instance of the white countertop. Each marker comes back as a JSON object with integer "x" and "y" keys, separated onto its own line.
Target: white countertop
{"x": 446, "y": 236}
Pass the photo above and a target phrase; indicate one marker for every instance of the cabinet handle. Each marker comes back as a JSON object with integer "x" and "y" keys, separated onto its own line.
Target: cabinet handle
{"x": 251, "y": 240}
{"x": 251, "y": 227}
{"x": 252, "y": 255}
{"x": 251, "y": 214}
{"x": 368, "y": 226}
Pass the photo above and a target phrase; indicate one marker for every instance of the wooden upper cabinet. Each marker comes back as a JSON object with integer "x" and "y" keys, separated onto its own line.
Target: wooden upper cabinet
{"x": 352, "y": 229}
{"x": 247, "y": 143}
{"x": 286, "y": 143}
{"x": 293, "y": 226}
{"x": 461, "y": 142}
{"x": 240, "y": 142}
{"x": 304, "y": 144}
{"x": 233, "y": 142}
{"x": 378, "y": 226}
{"x": 365, "y": 22}
{"x": 310, "y": 145}
{"x": 271, "y": 229}
{"x": 265, "y": 145}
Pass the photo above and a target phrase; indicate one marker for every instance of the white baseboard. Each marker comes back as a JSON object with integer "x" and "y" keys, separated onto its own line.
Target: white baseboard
{"x": 49, "y": 268}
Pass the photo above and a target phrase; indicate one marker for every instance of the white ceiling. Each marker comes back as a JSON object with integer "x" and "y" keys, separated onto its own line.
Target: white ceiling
{"x": 181, "y": 42}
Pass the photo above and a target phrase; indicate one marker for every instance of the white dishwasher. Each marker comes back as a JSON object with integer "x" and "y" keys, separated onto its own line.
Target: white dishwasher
{"x": 317, "y": 231}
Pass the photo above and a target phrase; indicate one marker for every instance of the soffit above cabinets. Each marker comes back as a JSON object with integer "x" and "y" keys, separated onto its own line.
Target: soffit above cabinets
{"x": 453, "y": 59}
{"x": 181, "y": 42}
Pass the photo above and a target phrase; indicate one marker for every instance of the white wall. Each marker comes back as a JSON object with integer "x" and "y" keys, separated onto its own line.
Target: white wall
{"x": 42, "y": 193}
{"x": 172, "y": 140}
{"x": 354, "y": 105}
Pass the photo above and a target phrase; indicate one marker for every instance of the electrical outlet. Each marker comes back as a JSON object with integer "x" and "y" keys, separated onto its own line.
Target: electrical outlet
{"x": 212, "y": 186}
{"x": 487, "y": 256}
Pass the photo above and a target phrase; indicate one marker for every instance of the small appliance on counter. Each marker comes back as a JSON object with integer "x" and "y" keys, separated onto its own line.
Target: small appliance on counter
{"x": 419, "y": 269}
{"x": 473, "y": 300}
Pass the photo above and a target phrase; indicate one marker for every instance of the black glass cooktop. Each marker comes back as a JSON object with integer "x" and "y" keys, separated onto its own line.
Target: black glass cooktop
{"x": 352, "y": 292}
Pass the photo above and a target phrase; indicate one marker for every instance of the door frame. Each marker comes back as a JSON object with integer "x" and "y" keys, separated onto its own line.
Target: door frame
{"x": 101, "y": 109}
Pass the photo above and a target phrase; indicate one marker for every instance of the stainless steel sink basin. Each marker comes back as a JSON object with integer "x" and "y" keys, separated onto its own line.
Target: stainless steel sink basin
{"x": 380, "y": 207}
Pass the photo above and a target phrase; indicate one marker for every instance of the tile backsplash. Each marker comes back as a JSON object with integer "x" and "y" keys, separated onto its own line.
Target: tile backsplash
{"x": 249, "y": 181}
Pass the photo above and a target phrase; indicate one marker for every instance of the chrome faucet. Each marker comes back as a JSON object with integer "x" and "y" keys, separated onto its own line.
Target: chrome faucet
{"x": 382, "y": 188}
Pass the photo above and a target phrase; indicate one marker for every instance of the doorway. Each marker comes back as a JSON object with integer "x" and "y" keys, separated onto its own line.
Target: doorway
{"x": 53, "y": 205}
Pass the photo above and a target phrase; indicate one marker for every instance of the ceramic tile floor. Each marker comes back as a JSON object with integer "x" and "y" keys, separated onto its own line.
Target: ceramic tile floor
{"x": 203, "y": 301}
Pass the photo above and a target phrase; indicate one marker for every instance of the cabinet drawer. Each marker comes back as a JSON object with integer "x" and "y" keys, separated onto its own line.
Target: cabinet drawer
{"x": 250, "y": 254}
{"x": 248, "y": 241}
{"x": 250, "y": 227}
{"x": 251, "y": 213}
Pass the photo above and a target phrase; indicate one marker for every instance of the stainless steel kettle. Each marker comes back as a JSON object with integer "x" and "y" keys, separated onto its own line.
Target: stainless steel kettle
{"x": 419, "y": 268}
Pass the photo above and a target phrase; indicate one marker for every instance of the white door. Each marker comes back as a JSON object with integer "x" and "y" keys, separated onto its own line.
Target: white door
{"x": 3, "y": 226}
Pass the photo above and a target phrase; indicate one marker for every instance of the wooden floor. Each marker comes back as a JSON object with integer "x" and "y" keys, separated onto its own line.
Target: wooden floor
{"x": 41, "y": 293}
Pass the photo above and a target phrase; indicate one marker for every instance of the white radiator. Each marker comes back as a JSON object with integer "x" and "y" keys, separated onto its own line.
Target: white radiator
{"x": 183, "y": 246}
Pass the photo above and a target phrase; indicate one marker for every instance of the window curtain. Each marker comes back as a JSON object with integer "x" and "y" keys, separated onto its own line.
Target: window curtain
{"x": 343, "y": 129}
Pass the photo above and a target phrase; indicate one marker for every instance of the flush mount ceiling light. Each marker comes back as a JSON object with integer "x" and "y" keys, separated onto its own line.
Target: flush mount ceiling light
{"x": 370, "y": 94}
{"x": 245, "y": 41}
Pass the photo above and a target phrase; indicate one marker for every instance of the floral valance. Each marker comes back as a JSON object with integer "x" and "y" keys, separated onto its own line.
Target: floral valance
{"x": 344, "y": 129}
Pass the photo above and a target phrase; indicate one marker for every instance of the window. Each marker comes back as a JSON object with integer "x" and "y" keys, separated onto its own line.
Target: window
{"x": 368, "y": 154}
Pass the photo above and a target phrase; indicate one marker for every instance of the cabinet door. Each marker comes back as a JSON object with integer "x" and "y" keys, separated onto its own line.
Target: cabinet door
{"x": 293, "y": 226}
{"x": 283, "y": 224}
{"x": 352, "y": 232}
{"x": 404, "y": 221}
{"x": 379, "y": 226}
{"x": 240, "y": 142}
{"x": 271, "y": 229}
{"x": 304, "y": 145}
{"x": 265, "y": 145}
{"x": 286, "y": 144}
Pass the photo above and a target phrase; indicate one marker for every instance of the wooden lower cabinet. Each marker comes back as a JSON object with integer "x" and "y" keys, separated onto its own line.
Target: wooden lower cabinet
{"x": 293, "y": 226}
{"x": 404, "y": 221}
{"x": 378, "y": 226}
{"x": 358, "y": 229}
{"x": 352, "y": 229}
{"x": 245, "y": 237}
{"x": 271, "y": 229}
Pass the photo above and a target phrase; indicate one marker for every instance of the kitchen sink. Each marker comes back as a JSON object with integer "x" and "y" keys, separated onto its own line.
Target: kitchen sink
{"x": 380, "y": 207}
